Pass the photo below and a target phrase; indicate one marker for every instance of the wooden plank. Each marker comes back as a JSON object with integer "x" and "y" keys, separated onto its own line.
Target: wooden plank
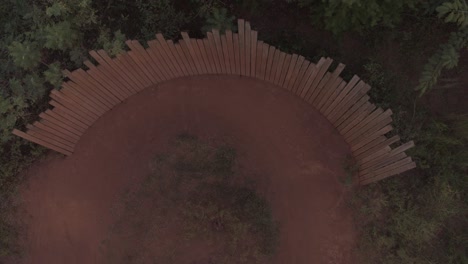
{"x": 228, "y": 57}
{"x": 347, "y": 133}
{"x": 371, "y": 138}
{"x": 55, "y": 132}
{"x": 59, "y": 128}
{"x": 199, "y": 54}
{"x": 269, "y": 63}
{"x": 214, "y": 52}
{"x": 41, "y": 142}
{"x": 105, "y": 73}
{"x": 79, "y": 79}
{"x": 91, "y": 103}
{"x": 300, "y": 76}
{"x": 373, "y": 173}
{"x": 237, "y": 53}
{"x": 264, "y": 60}
{"x": 259, "y": 55}
{"x": 138, "y": 67}
{"x": 209, "y": 56}
{"x": 341, "y": 95}
{"x": 274, "y": 66}
{"x": 346, "y": 116}
{"x": 330, "y": 87}
{"x": 241, "y": 30}
{"x": 183, "y": 61}
{"x": 352, "y": 97}
{"x": 279, "y": 69}
{"x": 253, "y": 53}
{"x": 52, "y": 139}
{"x": 75, "y": 106}
{"x": 35, "y": 130}
{"x": 219, "y": 49}
{"x": 380, "y": 161}
{"x": 376, "y": 144}
{"x": 181, "y": 71}
{"x": 248, "y": 42}
{"x": 309, "y": 75}
{"x": 107, "y": 89}
{"x": 230, "y": 51}
{"x": 103, "y": 58}
{"x": 188, "y": 57}
{"x": 164, "y": 49}
{"x": 70, "y": 118}
{"x": 319, "y": 89}
{"x": 322, "y": 73}
{"x": 362, "y": 113}
{"x": 66, "y": 126}
{"x": 72, "y": 112}
{"x": 291, "y": 67}
{"x": 98, "y": 79}
{"x": 133, "y": 72}
{"x": 150, "y": 61}
{"x": 300, "y": 61}
{"x": 139, "y": 60}
{"x": 395, "y": 171}
{"x": 372, "y": 126}
{"x": 192, "y": 53}
{"x": 284, "y": 69}
{"x": 161, "y": 57}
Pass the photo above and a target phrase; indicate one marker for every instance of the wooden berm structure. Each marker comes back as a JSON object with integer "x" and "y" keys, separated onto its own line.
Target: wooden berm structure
{"x": 88, "y": 95}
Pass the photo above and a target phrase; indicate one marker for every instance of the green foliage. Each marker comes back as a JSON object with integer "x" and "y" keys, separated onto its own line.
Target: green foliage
{"x": 25, "y": 54}
{"x": 160, "y": 17}
{"x": 339, "y": 16}
{"x": 219, "y": 19}
{"x": 446, "y": 57}
{"x": 112, "y": 46}
{"x": 60, "y": 36}
{"x": 54, "y": 74}
{"x": 454, "y": 12}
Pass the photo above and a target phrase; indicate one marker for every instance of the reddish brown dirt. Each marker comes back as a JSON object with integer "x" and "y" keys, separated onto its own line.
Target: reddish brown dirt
{"x": 293, "y": 152}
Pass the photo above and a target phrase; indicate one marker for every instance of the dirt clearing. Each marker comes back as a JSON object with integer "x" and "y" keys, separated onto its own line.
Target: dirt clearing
{"x": 292, "y": 152}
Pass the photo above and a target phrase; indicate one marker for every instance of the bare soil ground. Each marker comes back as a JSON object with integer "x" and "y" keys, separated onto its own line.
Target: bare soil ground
{"x": 291, "y": 151}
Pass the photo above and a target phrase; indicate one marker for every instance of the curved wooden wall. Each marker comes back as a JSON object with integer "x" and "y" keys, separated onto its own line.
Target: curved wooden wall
{"x": 89, "y": 94}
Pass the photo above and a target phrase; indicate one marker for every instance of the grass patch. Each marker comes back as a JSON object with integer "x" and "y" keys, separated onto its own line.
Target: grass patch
{"x": 194, "y": 204}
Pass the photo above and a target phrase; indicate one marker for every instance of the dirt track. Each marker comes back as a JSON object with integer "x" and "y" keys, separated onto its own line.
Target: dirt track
{"x": 292, "y": 151}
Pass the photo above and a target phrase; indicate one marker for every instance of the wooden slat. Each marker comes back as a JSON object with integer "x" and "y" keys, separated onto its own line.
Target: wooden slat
{"x": 220, "y": 51}
{"x": 241, "y": 30}
{"x": 248, "y": 43}
{"x": 193, "y": 54}
{"x": 76, "y": 107}
{"x": 395, "y": 171}
{"x": 88, "y": 101}
{"x": 291, "y": 67}
{"x": 140, "y": 62}
{"x": 149, "y": 60}
{"x": 209, "y": 56}
{"x": 68, "y": 95}
{"x": 52, "y": 139}
{"x": 214, "y": 52}
{"x": 227, "y": 54}
{"x": 314, "y": 87}
{"x": 279, "y": 69}
{"x": 181, "y": 71}
{"x": 373, "y": 173}
{"x": 105, "y": 73}
{"x": 41, "y": 142}
{"x": 300, "y": 61}
{"x": 274, "y": 66}
{"x": 371, "y": 128}
{"x": 330, "y": 87}
{"x": 348, "y": 133}
{"x": 55, "y": 132}
{"x": 237, "y": 60}
{"x": 70, "y": 118}
{"x": 75, "y": 133}
{"x": 358, "y": 116}
{"x": 183, "y": 61}
{"x": 78, "y": 77}
{"x": 309, "y": 75}
{"x": 284, "y": 69}
{"x": 70, "y": 145}
{"x": 111, "y": 89}
{"x": 346, "y": 116}
{"x": 380, "y": 160}
{"x": 264, "y": 60}
{"x": 319, "y": 89}
{"x": 55, "y": 126}
{"x": 269, "y": 63}
{"x": 253, "y": 53}
{"x": 200, "y": 57}
{"x": 369, "y": 139}
{"x": 73, "y": 112}
{"x": 193, "y": 68}
{"x": 259, "y": 56}
{"x": 300, "y": 76}
{"x": 133, "y": 60}
{"x": 164, "y": 48}
{"x": 160, "y": 56}
{"x": 341, "y": 95}
{"x": 230, "y": 50}
{"x": 353, "y": 96}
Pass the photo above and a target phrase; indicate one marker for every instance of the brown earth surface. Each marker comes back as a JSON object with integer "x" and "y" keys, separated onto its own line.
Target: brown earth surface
{"x": 294, "y": 154}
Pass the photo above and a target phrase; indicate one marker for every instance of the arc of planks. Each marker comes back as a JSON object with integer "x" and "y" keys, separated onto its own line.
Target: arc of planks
{"x": 90, "y": 94}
